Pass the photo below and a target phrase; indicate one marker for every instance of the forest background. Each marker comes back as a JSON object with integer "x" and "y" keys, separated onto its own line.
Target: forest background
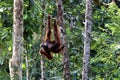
{"x": 105, "y": 39}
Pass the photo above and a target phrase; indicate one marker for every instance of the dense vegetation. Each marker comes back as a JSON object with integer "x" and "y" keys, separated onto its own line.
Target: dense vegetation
{"x": 105, "y": 43}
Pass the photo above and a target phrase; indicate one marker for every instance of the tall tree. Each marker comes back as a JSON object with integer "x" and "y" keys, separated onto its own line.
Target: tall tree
{"x": 42, "y": 32}
{"x": 87, "y": 39}
{"x": 60, "y": 11}
{"x": 15, "y": 64}
{"x": 27, "y": 68}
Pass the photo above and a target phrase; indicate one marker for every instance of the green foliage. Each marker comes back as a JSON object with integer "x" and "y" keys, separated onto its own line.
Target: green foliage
{"x": 115, "y": 21}
{"x": 105, "y": 46}
{"x": 105, "y": 42}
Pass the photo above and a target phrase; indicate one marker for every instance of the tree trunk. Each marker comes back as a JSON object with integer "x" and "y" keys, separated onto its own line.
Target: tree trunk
{"x": 42, "y": 68}
{"x": 27, "y": 68}
{"x": 42, "y": 32}
{"x": 15, "y": 64}
{"x": 87, "y": 39}
{"x": 60, "y": 10}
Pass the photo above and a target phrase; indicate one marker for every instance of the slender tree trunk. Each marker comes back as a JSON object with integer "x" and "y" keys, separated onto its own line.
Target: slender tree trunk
{"x": 42, "y": 56}
{"x": 16, "y": 60}
{"x": 27, "y": 68}
{"x": 42, "y": 68}
{"x": 60, "y": 10}
{"x": 87, "y": 39}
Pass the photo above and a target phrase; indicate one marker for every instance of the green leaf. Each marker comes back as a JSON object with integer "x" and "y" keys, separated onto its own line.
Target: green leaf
{"x": 23, "y": 66}
{"x": 25, "y": 16}
{"x": 9, "y": 49}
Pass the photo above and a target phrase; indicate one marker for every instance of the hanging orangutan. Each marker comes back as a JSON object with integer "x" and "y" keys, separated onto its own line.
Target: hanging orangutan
{"x": 49, "y": 46}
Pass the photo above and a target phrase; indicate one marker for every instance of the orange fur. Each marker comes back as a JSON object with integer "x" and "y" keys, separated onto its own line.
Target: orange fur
{"x": 48, "y": 46}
